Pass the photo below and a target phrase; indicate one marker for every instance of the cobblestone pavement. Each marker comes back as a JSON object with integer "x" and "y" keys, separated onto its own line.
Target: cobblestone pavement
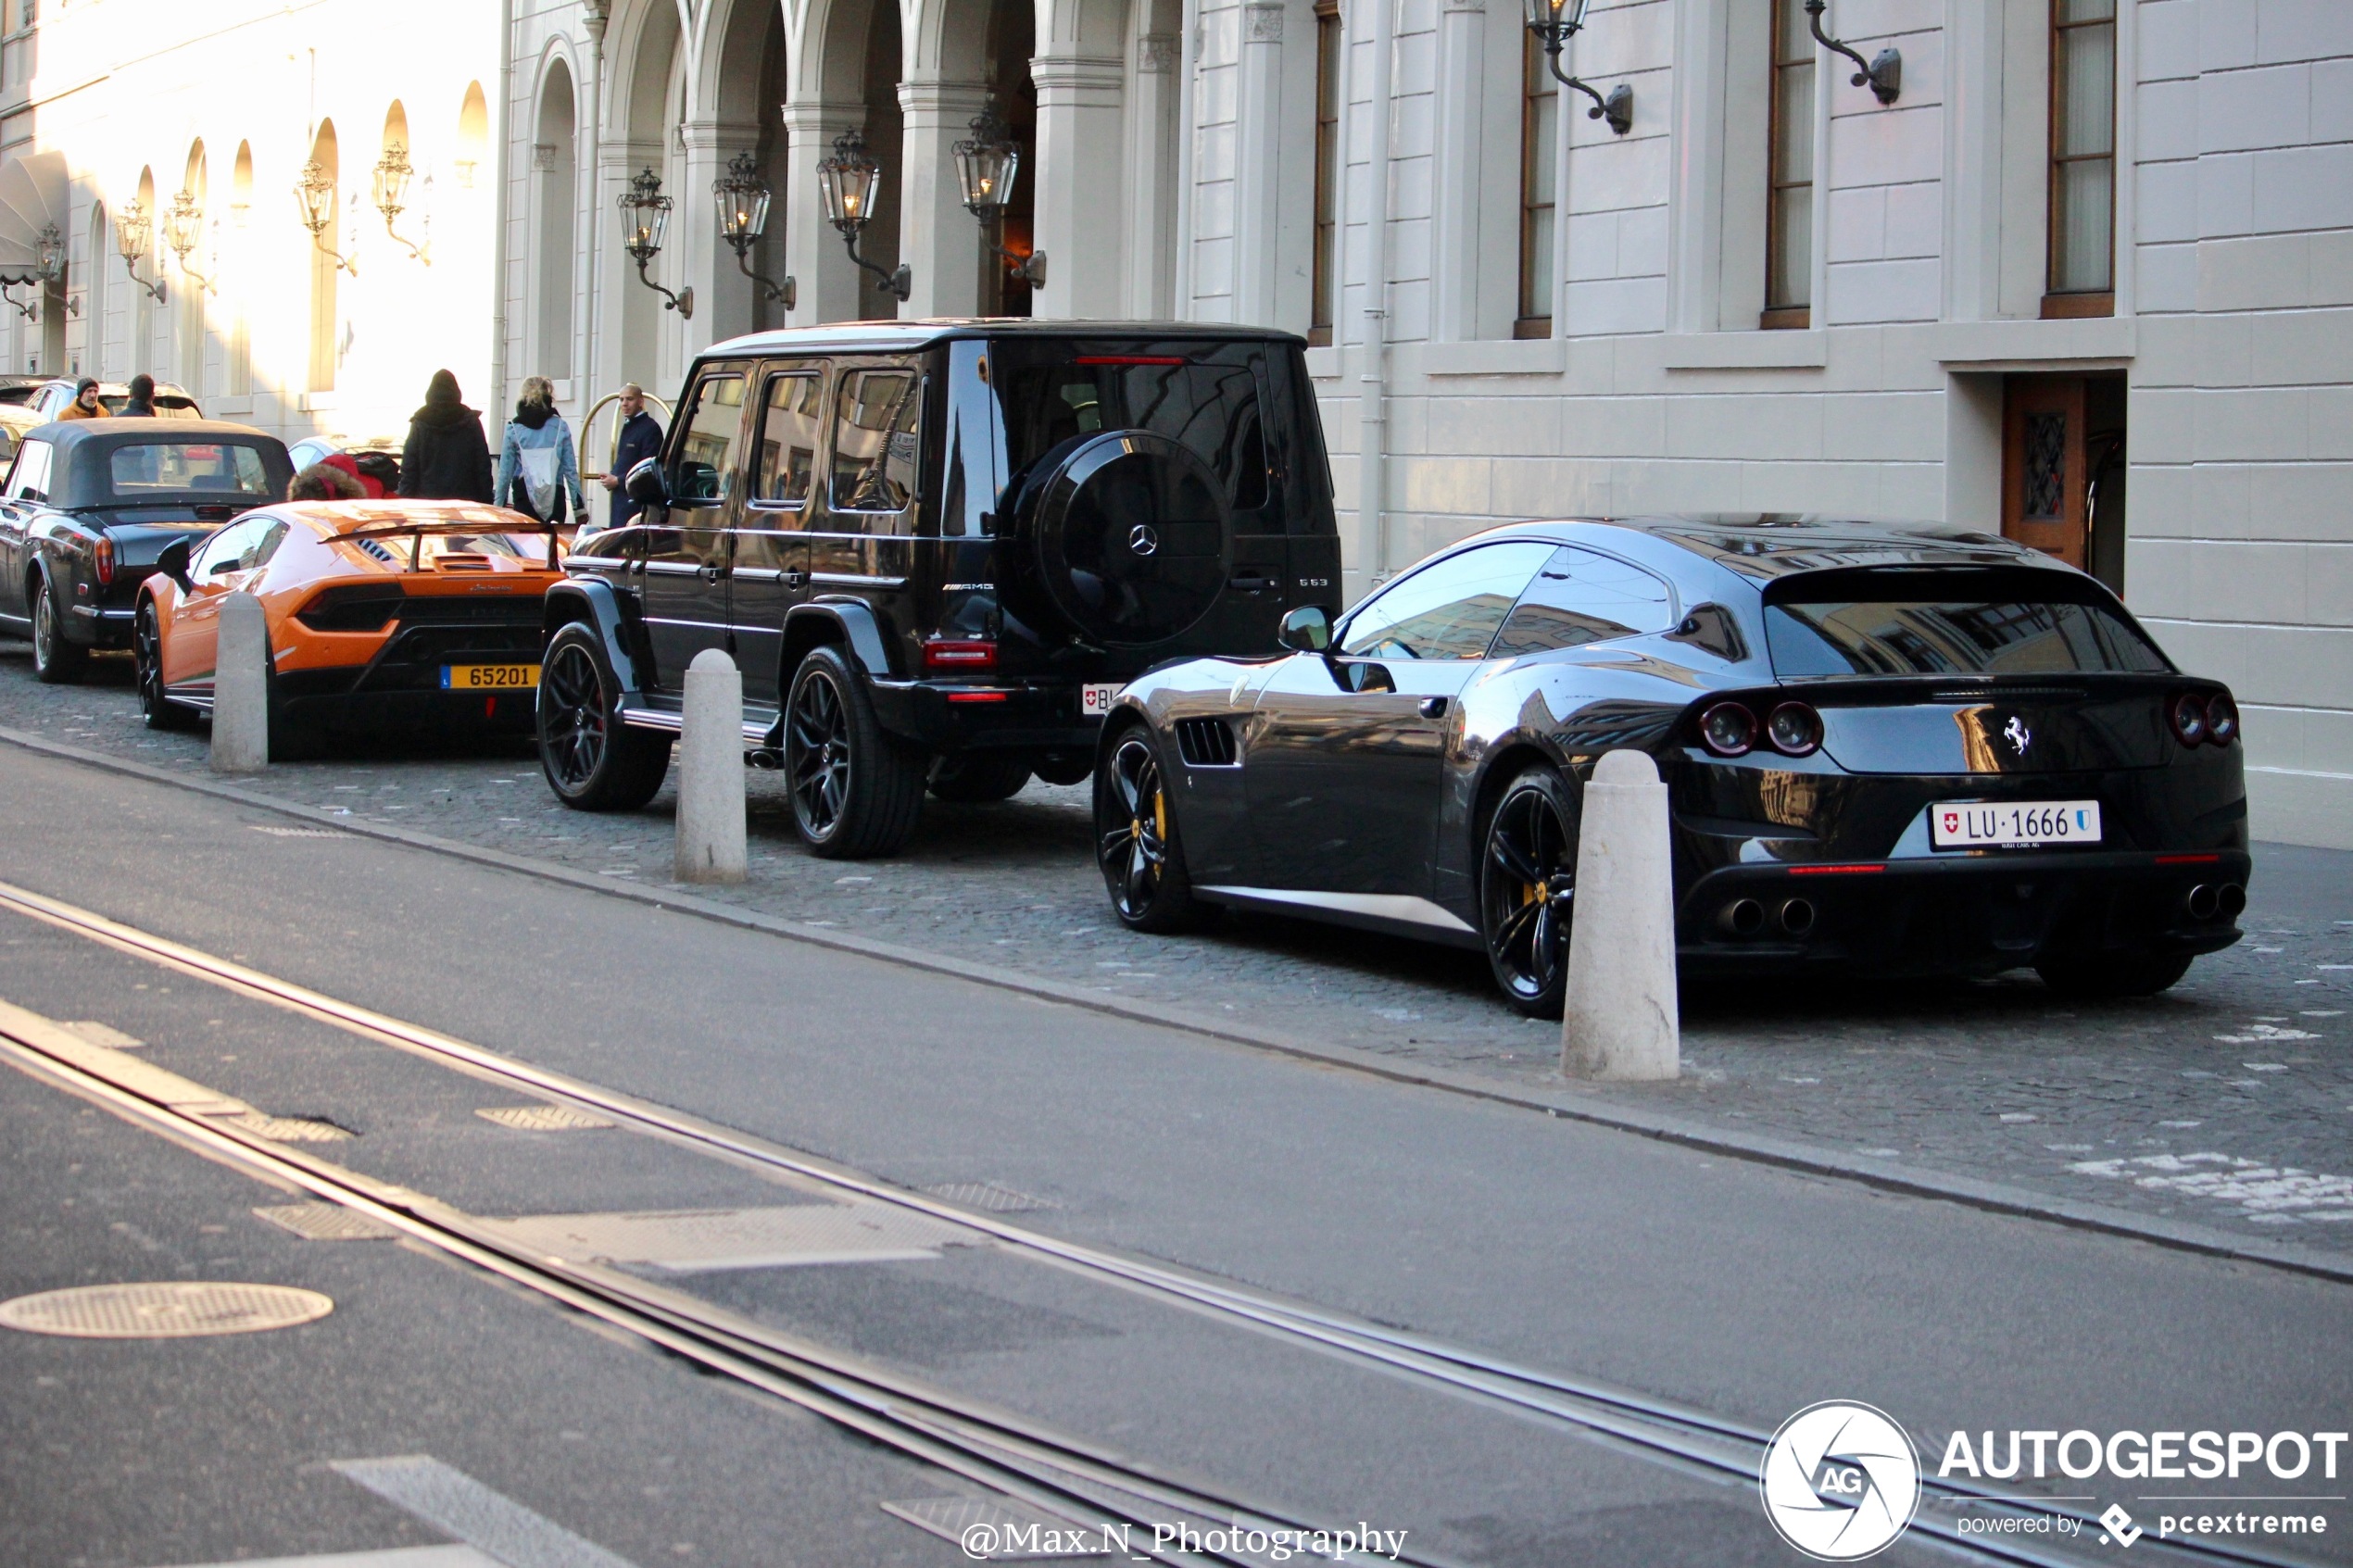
{"x": 2227, "y": 1101}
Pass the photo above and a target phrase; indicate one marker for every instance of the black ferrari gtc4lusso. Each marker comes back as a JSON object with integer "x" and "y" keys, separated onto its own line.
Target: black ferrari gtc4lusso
{"x": 1899, "y": 750}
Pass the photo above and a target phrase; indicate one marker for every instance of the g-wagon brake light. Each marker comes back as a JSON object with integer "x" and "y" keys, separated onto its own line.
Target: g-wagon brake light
{"x": 969, "y": 653}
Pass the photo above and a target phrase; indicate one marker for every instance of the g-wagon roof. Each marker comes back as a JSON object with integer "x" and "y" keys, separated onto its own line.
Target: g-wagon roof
{"x": 901, "y": 337}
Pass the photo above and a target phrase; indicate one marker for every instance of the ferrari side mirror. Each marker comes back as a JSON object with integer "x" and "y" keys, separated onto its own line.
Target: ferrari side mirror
{"x": 173, "y": 562}
{"x": 1305, "y": 630}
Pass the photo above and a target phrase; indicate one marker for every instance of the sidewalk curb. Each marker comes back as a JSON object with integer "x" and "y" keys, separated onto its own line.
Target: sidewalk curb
{"x": 1566, "y": 1104}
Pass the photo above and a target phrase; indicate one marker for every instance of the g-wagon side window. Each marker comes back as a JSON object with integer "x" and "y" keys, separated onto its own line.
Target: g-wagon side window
{"x": 877, "y": 441}
{"x": 788, "y": 432}
{"x": 704, "y": 460}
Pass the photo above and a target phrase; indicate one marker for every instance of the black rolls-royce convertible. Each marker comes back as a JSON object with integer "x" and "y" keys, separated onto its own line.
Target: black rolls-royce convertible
{"x": 1895, "y": 751}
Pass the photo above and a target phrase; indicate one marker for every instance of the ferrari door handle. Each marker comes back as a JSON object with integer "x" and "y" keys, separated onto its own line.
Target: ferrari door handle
{"x": 1433, "y": 707}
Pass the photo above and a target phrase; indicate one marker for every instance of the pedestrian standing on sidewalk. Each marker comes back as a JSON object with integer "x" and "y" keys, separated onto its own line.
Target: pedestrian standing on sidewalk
{"x": 447, "y": 458}
{"x": 140, "y": 404}
{"x": 538, "y": 471}
{"x": 640, "y": 438}
{"x": 85, "y": 404}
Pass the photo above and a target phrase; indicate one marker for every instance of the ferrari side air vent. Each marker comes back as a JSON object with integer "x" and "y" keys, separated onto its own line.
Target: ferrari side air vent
{"x": 1206, "y": 743}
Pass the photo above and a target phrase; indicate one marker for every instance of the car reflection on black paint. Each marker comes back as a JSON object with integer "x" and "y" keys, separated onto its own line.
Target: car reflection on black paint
{"x": 1891, "y": 750}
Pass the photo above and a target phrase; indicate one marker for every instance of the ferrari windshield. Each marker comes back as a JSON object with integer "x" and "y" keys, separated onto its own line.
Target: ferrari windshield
{"x": 182, "y": 468}
{"x": 1938, "y": 636}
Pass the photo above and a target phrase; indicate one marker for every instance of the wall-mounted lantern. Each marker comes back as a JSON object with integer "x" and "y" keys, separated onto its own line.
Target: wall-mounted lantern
{"x": 743, "y": 197}
{"x": 132, "y": 238}
{"x": 49, "y": 270}
{"x": 183, "y": 232}
{"x": 315, "y": 195}
{"x": 847, "y": 185}
{"x": 645, "y": 222}
{"x": 987, "y": 162}
{"x": 1884, "y": 73}
{"x": 391, "y": 191}
{"x": 1555, "y": 22}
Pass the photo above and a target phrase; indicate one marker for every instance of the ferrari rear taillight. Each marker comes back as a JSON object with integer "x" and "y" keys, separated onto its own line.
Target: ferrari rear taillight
{"x": 1795, "y": 729}
{"x": 2221, "y": 718}
{"x": 959, "y": 653}
{"x": 1728, "y": 729}
{"x": 2188, "y": 718}
{"x": 102, "y": 559}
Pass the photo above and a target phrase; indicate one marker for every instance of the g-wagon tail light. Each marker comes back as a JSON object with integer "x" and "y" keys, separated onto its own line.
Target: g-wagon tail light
{"x": 2187, "y": 716}
{"x": 960, "y": 653}
{"x": 2221, "y": 718}
{"x": 102, "y": 559}
{"x": 1795, "y": 729}
{"x": 1728, "y": 729}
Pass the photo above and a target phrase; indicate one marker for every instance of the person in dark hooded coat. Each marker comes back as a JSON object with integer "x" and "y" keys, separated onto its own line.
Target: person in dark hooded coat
{"x": 447, "y": 458}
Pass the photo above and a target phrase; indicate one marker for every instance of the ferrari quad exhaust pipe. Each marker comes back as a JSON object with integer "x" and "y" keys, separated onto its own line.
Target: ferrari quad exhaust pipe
{"x": 1742, "y": 918}
{"x": 1797, "y": 916}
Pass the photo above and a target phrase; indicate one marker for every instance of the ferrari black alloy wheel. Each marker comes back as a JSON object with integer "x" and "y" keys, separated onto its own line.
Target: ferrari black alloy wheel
{"x": 162, "y": 713}
{"x": 55, "y": 662}
{"x": 855, "y": 792}
{"x": 594, "y": 762}
{"x": 1136, "y": 840}
{"x": 1528, "y": 884}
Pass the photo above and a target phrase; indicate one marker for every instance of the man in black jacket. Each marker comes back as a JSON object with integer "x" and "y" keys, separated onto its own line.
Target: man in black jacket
{"x": 640, "y": 439}
{"x": 140, "y": 404}
{"x": 446, "y": 459}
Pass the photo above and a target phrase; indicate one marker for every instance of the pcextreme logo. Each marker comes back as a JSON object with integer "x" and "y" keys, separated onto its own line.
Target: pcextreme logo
{"x": 1841, "y": 1481}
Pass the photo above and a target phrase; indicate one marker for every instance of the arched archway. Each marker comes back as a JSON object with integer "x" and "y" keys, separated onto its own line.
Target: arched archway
{"x": 554, "y": 182}
{"x": 325, "y": 318}
{"x": 236, "y": 286}
{"x": 188, "y": 334}
{"x": 647, "y": 103}
{"x": 745, "y": 82}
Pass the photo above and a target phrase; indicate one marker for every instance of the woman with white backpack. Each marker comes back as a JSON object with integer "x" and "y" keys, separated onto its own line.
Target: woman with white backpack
{"x": 537, "y": 469}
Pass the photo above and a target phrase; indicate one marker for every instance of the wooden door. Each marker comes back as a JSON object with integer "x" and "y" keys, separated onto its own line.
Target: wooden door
{"x": 2044, "y": 477}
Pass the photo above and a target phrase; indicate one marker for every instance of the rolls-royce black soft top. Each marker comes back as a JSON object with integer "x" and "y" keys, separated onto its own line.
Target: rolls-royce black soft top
{"x": 89, "y": 504}
{"x": 1902, "y": 751}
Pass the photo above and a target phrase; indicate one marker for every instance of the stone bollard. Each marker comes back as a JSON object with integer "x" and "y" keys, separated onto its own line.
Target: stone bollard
{"x": 241, "y": 687}
{"x": 1621, "y": 1022}
{"x": 710, "y": 772}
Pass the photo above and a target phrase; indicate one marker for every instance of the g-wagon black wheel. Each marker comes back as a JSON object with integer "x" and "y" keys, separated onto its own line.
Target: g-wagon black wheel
{"x": 146, "y": 653}
{"x": 1527, "y": 883}
{"x": 855, "y": 791}
{"x": 594, "y": 762}
{"x": 1136, "y": 840}
{"x": 55, "y": 662}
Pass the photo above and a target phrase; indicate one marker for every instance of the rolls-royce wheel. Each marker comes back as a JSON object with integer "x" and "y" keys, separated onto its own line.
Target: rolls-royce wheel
{"x": 1136, "y": 843}
{"x": 979, "y": 777}
{"x": 160, "y": 710}
{"x": 1526, "y": 889}
{"x": 2113, "y": 974}
{"x": 856, "y": 791}
{"x": 55, "y": 662}
{"x": 594, "y": 762}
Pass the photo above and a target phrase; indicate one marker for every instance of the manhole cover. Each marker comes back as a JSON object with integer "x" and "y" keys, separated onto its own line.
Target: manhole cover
{"x": 163, "y": 1309}
{"x": 299, "y": 833}
{"x": 991, "y": 1197}
{"x": 543, "y": 1118}
{"x": 288, "y": 1129}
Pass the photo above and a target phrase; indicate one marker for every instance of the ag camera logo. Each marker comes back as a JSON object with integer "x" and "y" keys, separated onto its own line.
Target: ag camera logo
{"x": 1841, "y": 1481}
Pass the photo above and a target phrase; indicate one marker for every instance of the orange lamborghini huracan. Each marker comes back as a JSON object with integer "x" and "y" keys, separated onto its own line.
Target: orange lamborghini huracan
{"x": 383, "y": 616}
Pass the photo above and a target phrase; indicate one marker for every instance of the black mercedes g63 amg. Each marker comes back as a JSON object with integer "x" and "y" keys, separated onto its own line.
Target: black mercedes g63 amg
{"x": 935, "y": 550}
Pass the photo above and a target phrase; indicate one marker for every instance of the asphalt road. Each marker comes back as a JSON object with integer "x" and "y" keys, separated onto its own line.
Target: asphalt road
{"x": 2226, "y": 1102}
{"x": 1724, "y": 1285}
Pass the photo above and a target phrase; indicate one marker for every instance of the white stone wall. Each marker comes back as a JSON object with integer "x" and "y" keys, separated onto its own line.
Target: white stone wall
{"x": 2234, "y": 325}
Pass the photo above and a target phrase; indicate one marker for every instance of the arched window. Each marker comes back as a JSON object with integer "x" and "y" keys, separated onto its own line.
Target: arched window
{"x": 95, "y": 327}
{"x": 141, "y": 340}
{"x": 555, "y": 181}
{"x": 234, "y": 283}
{"x": 325, "y": 322}
{"x": 188, "y": 296}
{"x": 473, "y": 137}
